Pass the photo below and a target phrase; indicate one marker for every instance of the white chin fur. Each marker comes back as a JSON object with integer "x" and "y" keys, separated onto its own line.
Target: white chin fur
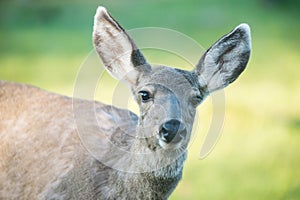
{"x": 165, "y": 145}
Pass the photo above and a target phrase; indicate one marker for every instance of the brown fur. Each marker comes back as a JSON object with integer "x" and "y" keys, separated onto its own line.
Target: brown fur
{"x": 56, "y": 147}
{"x": 42, "y": 156}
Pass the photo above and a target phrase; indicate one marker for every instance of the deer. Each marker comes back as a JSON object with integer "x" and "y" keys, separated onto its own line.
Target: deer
{"x": 58, "y": 147}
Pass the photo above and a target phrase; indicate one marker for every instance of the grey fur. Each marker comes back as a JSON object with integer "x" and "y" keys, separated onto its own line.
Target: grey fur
{"x": 55, "y": 147}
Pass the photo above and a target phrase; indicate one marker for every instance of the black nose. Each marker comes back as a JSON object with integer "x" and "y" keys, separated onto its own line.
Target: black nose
{"x": 172, "y": 131}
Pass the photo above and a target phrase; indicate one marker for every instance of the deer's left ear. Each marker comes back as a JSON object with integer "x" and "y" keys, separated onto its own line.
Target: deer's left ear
{"x": 224, "y": 61}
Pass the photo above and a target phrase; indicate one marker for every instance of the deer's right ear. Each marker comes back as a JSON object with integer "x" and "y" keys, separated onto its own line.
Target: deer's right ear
{"x": 119, "y": 54}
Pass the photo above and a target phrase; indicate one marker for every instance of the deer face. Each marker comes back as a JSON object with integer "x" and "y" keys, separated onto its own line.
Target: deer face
{"x": 168, "y": 97}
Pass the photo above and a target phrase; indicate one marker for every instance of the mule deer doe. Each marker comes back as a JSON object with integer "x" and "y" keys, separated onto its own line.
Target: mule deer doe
{"x": 42, "y": 155}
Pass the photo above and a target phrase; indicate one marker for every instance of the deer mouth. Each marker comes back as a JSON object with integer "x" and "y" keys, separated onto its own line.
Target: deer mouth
{"x": 171, "y": 142}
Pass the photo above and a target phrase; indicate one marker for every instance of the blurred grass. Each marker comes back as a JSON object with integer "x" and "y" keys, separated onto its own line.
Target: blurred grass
{"x": 258, "y": 155}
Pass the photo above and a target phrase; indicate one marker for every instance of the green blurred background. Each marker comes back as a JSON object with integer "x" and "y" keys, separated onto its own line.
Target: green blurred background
{"x": 258, "y": 155}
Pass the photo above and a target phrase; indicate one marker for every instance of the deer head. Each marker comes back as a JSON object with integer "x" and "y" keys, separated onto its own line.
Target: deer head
{"x": 168, "y": 97}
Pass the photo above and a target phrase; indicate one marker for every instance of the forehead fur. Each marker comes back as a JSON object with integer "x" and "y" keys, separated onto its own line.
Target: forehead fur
{"x": 172, "y": 77}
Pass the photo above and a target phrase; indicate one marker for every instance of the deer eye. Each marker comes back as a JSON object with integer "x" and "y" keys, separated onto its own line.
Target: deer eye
{"x": 197, "y": 99}
{"x": 145, "y": 96}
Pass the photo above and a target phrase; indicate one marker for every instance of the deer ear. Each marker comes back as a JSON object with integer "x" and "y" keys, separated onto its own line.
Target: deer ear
{"x": 119, "y": 54}
{"x": 224, "y": 61}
